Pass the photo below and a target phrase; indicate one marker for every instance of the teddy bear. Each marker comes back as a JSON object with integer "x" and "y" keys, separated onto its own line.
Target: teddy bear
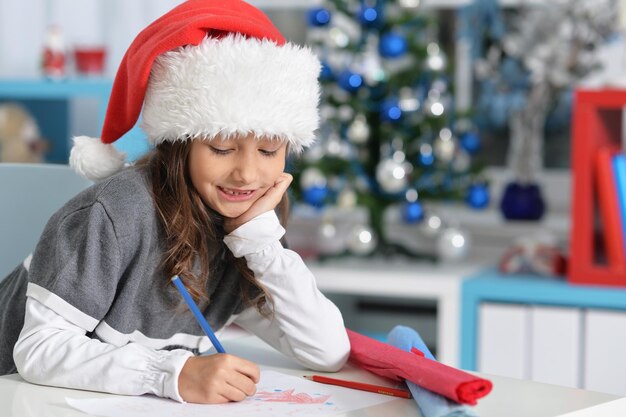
{"x": 20, "y": 139}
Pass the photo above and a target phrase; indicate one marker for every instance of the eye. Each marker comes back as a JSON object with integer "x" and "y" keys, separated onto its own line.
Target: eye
{"x": 219, "y": 151}
{"x": 267, "y": 152}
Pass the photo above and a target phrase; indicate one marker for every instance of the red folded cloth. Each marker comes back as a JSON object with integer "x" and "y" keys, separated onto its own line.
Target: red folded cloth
{"x": 391, "y": 362}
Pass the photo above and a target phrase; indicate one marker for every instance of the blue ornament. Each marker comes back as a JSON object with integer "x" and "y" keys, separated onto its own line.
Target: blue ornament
{"x": 413, "y": 212}
{"x": 326, "y": 73}
{"x": 318, "y": 17}
{"x": 350, "y": 81}
{"x": 390, "y": 111}
{"x": 315, "y": 195}
{"x": 370, "y": 16}
{"x": 522, "y": 202}
{"x": 426, "y": 156}
{"x": 392, "y": 45}
{"x": 470, "y": 141}
{"x": 477, "y": 196}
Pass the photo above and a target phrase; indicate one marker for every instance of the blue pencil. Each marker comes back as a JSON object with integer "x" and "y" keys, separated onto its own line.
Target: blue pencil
{"x": 198, "y": 315}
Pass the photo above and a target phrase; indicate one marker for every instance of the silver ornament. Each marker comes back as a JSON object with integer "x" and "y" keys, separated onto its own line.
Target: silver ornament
{"x": 408, "y": 101}
{"x": 333, "y": 146}
{"x": 338, "y": 37}
{"x": 398, "y": 156}
{"x": 391, "y": 175}
{"x": 431, "y": 225}
{"x": 327, "y": 112}
{"x": 313, "y": 154}
{"x": 453, "y": 244}
{"x": 436, "y": 60}
{"x": 328, "y": 240}
{"x": 362, "y": 240}
{"x": 371, "y": 64}
{"x": 312, "y": 177}
{"x": 434, "y": 107}
{"x": 461, "y": 161}
{"x": 359, "y": 130}
{"x": 445, "y": 146}
{"x": 409, "y": 4}
{"x": 346, "y": 112}
{"x": 411, "y": 195}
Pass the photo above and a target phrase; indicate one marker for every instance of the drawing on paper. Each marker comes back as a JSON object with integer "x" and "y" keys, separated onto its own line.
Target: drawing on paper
{"x": 278, "y": 395}
{"x": 287, "y": 396}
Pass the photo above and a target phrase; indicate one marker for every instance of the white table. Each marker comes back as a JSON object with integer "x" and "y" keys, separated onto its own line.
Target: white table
{"x": 402, "y": 279}
{"x": 510, "y": 397}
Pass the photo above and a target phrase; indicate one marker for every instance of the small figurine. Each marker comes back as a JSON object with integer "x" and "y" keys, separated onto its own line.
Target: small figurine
{"x": 53, "y": 60}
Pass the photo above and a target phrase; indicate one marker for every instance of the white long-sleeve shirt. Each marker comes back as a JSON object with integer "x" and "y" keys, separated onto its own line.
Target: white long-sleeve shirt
{"x": 61, "y": 345}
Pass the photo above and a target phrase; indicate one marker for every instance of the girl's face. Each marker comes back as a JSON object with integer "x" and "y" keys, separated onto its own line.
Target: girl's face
{"x": 230, "y": 175}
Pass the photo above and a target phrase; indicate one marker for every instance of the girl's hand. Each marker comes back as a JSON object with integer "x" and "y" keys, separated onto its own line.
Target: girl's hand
{"x": 266, "y": 202}
{"x": 217, "y": 379}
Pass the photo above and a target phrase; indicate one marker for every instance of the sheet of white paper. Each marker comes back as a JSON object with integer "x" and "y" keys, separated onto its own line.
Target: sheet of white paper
{"x": 277, "y": 395}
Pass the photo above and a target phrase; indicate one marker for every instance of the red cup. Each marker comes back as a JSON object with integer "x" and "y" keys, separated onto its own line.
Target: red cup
{"x": 90, "y": 60}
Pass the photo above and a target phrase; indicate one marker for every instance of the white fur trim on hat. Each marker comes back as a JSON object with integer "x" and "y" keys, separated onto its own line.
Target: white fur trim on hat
{"x": 95, "y": 160}
{"x": 233, "y": 85}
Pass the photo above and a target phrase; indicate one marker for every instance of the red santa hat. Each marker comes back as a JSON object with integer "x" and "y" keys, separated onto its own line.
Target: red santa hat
{"x": 207, "y": 69}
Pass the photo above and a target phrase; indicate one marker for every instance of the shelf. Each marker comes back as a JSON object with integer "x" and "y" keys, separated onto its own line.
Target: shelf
{"x": 49, "y": 100}
{"x": 40, "y": 88}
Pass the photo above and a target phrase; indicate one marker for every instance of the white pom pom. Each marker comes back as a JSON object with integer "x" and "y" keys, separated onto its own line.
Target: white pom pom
{"x": 95, "y": 160}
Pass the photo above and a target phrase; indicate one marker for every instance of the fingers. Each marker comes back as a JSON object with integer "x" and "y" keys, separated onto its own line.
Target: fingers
{"x": 242, "y": 384}
{"x": 217, "y": 379}
{"x": 244, "y": 367}
{"x": 272, "y": 196}
{"x": 267, "y": 202}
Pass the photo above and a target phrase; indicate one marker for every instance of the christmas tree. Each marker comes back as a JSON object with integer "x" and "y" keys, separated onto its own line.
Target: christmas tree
{"x": 390, "y": 136}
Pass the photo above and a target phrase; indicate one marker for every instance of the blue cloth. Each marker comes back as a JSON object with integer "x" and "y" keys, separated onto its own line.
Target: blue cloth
{"x": 430, "y": 403}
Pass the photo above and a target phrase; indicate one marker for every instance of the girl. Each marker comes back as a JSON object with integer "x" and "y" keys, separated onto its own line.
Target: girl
{"x": 224, "y": 100}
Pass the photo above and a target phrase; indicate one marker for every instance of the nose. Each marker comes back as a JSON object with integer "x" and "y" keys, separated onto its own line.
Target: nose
{"x": 246, "y": 170}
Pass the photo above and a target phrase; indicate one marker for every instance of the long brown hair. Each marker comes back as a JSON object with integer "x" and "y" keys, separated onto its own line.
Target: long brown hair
{"x": 192, "y": 228}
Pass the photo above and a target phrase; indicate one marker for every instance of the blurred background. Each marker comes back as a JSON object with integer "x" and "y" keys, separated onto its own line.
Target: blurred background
{"x": 453, "y": 169}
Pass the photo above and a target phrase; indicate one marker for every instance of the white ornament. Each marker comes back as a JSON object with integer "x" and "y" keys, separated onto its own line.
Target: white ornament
{"x": 313, "y": 154}
{"x": 462, "y": 161}
{"x": 362, "y": 240}
{"x": 410, "y": 4}
{"x": 333, "y": 146}
{"x": 444, "y": 149}
{"x": 312, "y": 177}
{"x": 359, "y": 130}
{"x": 328, "y": 241}
{"x": 347, "y": 198}
{"x": 338, "y": 37}
{"x": 431, "y": 225}
{"x": 408, "y": 101}
{"x": 346, "y": 112}
{"x": 434, "y": 107}
{"x": 453, "y": 244}
{"x": 436, "y": 59}
{"x": 391, "y": 175}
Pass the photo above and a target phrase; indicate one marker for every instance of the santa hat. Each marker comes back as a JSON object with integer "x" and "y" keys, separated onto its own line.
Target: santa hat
{"x": 207, "y": 69}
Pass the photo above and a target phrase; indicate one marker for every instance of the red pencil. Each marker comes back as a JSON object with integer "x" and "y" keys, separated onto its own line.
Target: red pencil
{"x": 394, "y": 392}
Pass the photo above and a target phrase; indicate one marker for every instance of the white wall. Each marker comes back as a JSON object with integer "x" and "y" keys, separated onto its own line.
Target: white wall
{"x": 114, "y": 23}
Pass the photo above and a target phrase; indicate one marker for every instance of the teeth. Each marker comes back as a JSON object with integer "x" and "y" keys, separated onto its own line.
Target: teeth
{"x": 237, "y": 192}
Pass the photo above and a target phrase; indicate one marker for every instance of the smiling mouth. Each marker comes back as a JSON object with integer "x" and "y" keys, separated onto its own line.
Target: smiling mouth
{"x": 236, "y": 192}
